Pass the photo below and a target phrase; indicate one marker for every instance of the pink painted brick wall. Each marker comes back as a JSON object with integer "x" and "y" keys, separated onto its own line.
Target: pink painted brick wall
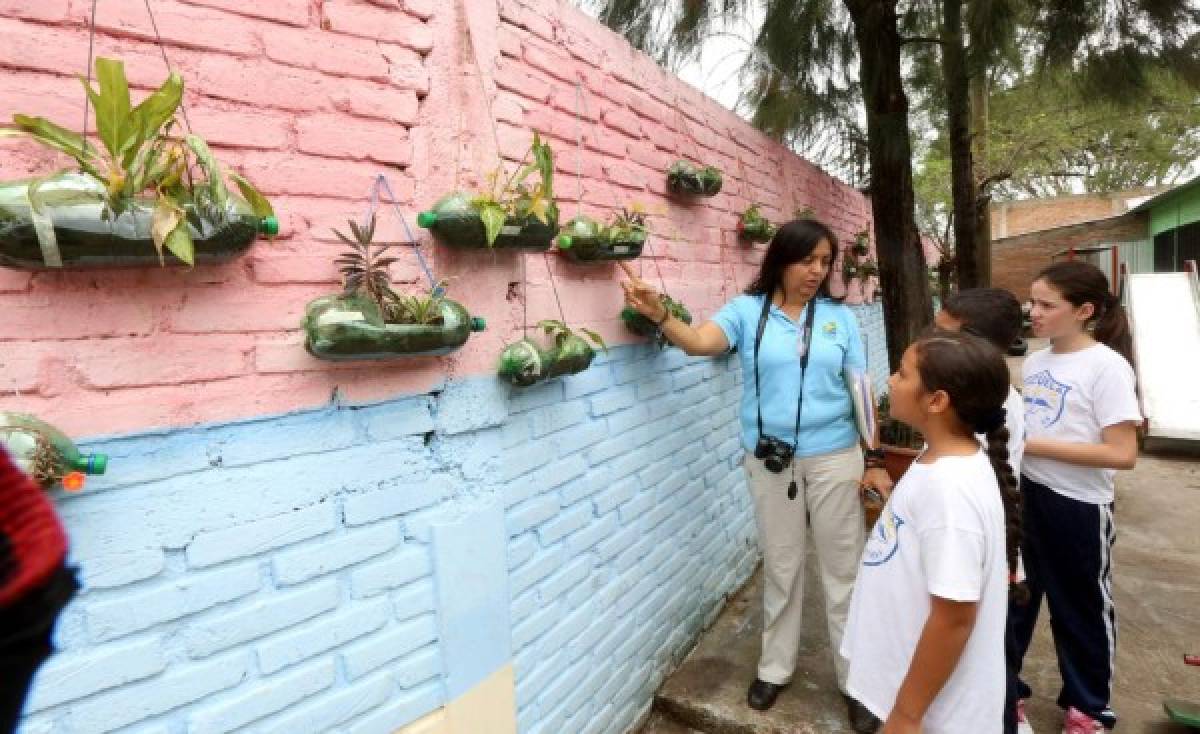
{"x": 311, "y": 100}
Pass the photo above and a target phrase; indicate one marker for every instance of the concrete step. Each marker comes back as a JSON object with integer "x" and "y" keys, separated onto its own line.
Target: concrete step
{"x": 660, "y": 723}
{"x": 708, "y": 691}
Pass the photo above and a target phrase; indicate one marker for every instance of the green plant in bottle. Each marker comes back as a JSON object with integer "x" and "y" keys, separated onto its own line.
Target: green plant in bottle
{"x": 642, "y": 326}
{"x": 516, "y": 212}
{"x": 46, "y": 454}
{"x": 370, "y": 320}
{"x": 752, "y": 226}
{"x": 685, "y": 178}
{"x": 585, "y": 240}
{"x": 143, "y": 191}
{"x": 862, "y": 244}
{"x": 526, "y": 362}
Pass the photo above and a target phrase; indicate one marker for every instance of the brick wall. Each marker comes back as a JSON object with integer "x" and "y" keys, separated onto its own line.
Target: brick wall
{"x": 1017, "y": 260}
{"x": 311, "y": 100}
{"x": 280, "y": 542}
{"x": 1013, "y": 218}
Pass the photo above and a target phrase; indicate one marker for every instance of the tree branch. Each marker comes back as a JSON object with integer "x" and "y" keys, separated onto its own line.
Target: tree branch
{"x": 919, "y": 39}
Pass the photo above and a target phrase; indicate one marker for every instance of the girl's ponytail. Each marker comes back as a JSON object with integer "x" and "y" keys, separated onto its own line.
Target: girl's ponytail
{"x": 1112, "y": 327}
{"x": 997, "y": 451}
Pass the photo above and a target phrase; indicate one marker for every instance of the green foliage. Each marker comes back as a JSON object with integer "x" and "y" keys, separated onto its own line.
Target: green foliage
{"x": 364, "y": 268}
{"x": 626, "y": 226}
{"x": 642, "y": 326}
{"x": 753, "y": 226}
{"x": 560, "y": 333}
{"x": 517, "y": 198}
{"x": 139, "y": 154}
{"x": 689, "y": 179}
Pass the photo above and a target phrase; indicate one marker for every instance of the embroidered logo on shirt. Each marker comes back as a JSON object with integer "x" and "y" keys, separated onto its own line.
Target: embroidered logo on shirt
{"x": 884, "y": 540}
{"x": 830, "y": 328}
{"x": 1044, "y": 398}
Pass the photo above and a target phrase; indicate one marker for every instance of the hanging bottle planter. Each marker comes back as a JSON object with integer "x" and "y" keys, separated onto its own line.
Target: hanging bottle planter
{"x": 684, "y": 178}
{"x": 515, "y": 216}
{"x": 45, "y": 454}
{"x": 862, "y": 244}
{"x": 586, "y": 240}
{"x": 144, "y": 197}
{"x": 526, "y": 362}
{"x": 752, "y": 226}
{"x": 369, "y": 320}
{"x": 642, "y": 326}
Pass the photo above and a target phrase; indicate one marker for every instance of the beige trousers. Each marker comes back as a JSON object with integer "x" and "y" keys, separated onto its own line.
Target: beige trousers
{"x": 828, "y": 501}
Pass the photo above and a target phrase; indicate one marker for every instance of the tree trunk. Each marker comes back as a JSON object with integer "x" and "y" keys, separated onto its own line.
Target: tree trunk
{"x": 903, "y": 276}
{"x": 962, "y": 174}
{"x": 983, "y": 199}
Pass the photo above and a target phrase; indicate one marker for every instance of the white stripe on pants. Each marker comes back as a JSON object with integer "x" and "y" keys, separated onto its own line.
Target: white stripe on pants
{"x": 828, "y": 499}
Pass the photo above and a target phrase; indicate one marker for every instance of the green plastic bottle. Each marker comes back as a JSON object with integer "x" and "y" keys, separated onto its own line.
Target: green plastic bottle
{"x": 455, "y": 221}
{"x": 583, "y": 239}
{"x": 86, "y": 235}
{"x": 42, "y": 451}
{"x": 351, "y": 327}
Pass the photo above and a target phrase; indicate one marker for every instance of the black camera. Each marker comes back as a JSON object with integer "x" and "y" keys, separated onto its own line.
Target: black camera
{"x": 776, "y": 455}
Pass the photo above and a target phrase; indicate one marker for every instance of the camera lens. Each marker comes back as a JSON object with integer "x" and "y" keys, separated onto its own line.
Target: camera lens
{"x": 773, "y": 464}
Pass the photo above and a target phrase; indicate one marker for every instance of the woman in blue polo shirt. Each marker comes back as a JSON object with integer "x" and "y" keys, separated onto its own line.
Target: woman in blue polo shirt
{"x": 803, "y": 339}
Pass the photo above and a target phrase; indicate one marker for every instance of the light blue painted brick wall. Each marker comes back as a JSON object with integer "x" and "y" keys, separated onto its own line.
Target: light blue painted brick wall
{"x": 300, "y": 573}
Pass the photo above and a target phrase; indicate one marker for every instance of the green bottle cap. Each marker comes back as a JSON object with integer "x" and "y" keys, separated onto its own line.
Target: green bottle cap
{"x": 564, "y": 242}
{"x": 98, "y": 463}
{"x": 426, "y": 219}
{"x": 478, "y": 323}
{"x": 269, "y": 225}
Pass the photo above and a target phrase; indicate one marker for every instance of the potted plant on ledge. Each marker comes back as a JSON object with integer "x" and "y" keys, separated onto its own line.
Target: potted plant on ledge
{"x": 516, "y": 215}
{"x": 752, "y": 226}
{"x": 685, "y": 178}
{"x": 585, "y": 240}
{"x": 369, "y": 320}
{"x": 143, "y": 196}
{"x": 526, "y": 362}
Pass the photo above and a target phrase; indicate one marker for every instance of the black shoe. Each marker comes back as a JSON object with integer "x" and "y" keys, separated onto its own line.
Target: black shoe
{"x": 762, "y": 694}
{"x": 861, "y": 719}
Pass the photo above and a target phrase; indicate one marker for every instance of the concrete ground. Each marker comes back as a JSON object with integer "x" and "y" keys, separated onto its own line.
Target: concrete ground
{"x": 1157, "y": 588}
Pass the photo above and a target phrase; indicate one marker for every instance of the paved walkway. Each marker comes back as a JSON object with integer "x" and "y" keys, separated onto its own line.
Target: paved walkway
{"x": 1157, "y": 587}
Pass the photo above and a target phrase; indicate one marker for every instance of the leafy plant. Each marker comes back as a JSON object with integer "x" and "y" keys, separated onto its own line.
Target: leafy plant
{"x": 629, "y": 224}
{"x": 754, "y": 226}
{"x": 642, "y": 326}
{"x": 365, "y": 269}
{"x": 849, "y": 269}
{"x": 139, "y": 154}
{"x": 867, "y": 269}
{"x": 862, "y": 244}
{"x": 560, "y": 333}
{"x": 517, "y": 198}
{"x": 685, "y": 177}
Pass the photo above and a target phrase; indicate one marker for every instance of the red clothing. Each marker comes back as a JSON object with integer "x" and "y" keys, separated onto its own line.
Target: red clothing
{"x": 32, "y": 540}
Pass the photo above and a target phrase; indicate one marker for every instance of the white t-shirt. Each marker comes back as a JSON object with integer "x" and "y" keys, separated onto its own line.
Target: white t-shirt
{"x": 941, "y": 533}
{"x": 1074, "y": 397}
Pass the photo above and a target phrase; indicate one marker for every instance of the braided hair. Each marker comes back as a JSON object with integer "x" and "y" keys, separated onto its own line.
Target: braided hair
{"x": 972, "y": 372}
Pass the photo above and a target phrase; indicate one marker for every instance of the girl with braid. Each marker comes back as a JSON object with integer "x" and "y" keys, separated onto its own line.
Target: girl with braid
{"x": 925, "y": 637}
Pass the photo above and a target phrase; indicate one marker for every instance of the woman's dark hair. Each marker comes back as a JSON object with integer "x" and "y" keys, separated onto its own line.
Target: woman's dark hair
{"x": 1081, "y": 283}
{"x": 992, "y": 313}
{"x": 973, "y": 373}
{"x": 792, "y": 243}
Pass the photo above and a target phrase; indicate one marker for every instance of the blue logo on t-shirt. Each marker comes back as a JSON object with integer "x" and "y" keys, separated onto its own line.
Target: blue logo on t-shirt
{"x": 1045, "y": 398}
{"x": 884, "y": 540}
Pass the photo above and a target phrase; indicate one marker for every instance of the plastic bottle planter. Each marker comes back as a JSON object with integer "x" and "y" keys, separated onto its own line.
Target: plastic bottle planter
{"x": 586, "y": 240}
{"x": 862, "y": 245}
{"x": 343, "y": 328}
{"x": 454, "y": 221}
{"x": 752, "y": 226}
{"x": 684, "y": 178}
{"x": 642, "y": 326}
{"x": 44, "y": 453}
{"x": 525, "y": 363}
{"x": 73, "y": 229}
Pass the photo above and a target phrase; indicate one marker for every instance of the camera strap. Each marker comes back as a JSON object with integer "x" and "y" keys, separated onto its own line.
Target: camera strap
{"x": 809, "y": 318}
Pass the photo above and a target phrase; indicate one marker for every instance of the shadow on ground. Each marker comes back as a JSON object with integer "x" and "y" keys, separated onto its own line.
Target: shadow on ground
{"x": 1157, "y": 587}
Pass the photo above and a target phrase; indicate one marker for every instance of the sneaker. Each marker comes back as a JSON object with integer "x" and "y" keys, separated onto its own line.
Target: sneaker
{"x": 1023, "y": 726}
{"x": 1078, "y": 722}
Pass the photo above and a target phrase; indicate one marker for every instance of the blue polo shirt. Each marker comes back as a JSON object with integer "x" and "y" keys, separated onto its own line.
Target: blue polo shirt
{"x": 827, "y": 421}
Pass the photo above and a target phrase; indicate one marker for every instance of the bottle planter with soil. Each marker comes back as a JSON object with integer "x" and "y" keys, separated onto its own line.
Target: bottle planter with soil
{"x": 516, "y": 215}
{"x": 689, "y": 180}
{"x": 752, "y": 226}
{"x": 642, "y": 326}
{"x": 143, "y": 197}
{"x": 369, "y": 320}
{"x": 586, "y": 240}
{"x": 526, "y": 362}
{"x": 46, "y": 454}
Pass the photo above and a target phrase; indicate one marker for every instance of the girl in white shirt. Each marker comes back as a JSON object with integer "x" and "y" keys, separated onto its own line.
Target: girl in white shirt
{"x": 1081, "y": 418}
{"x": 925, "y": 637}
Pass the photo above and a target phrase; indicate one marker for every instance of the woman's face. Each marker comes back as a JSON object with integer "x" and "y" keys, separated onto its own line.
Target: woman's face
{"x": 1053, "y": 316}
{"x": 906, "y": 391}
{"x": 805, "y": 276}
